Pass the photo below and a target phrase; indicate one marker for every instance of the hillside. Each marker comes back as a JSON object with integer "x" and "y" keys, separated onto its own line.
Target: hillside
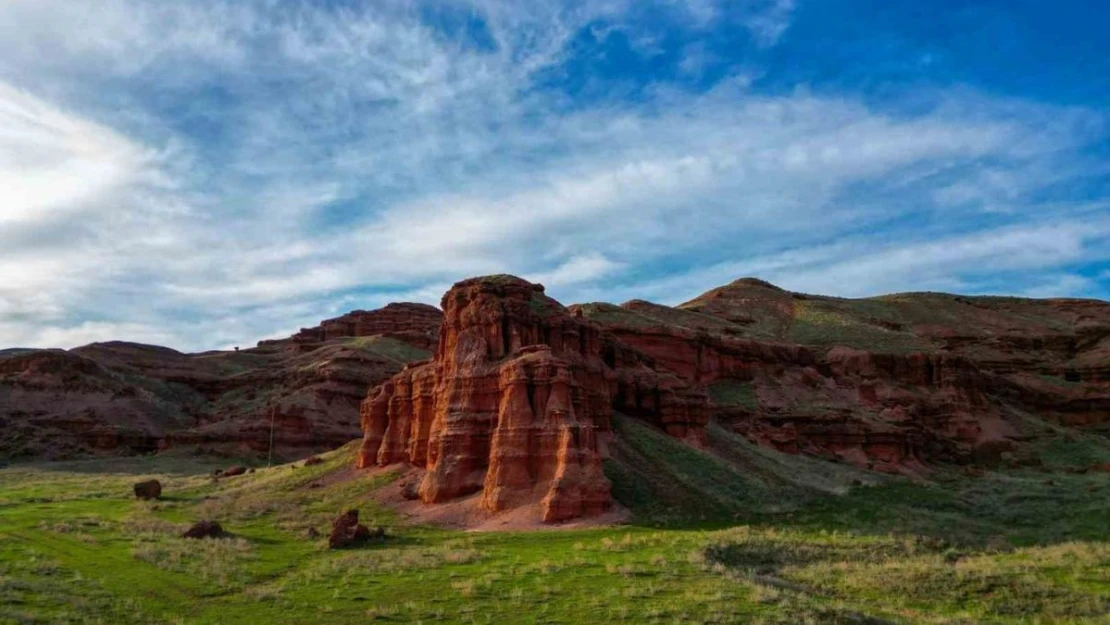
{"x": 887, "y": 375}
{"x": 127, "y": 398}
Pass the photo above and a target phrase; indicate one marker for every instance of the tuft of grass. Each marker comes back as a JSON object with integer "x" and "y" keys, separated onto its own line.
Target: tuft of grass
{"x": 734, "y": 393}
{"x": 389, "y": 348}
{"x": 613, "y": 315}
{"x": 828, "y": 322}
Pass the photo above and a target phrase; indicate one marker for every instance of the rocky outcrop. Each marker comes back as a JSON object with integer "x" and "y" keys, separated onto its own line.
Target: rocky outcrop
{"x": 512, "y": 405}
{"x": 511, "y": 402}
{"x": 516, "y": 403}
{"x": 517, "y": 400}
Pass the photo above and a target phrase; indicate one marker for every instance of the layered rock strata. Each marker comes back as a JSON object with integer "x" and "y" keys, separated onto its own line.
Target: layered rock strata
{"x": 417, "y": 324}
{"x": 516, "y": 402}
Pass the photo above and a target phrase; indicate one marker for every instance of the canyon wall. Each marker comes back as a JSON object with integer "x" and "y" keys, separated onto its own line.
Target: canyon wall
{"x": 516, "y": 402}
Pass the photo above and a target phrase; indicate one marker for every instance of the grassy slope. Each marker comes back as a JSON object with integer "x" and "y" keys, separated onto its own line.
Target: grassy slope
{"x": 812, "y": 547}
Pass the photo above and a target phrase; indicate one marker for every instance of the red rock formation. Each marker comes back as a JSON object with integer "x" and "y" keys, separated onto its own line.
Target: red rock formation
{"x": 512, "y": 405}
{"x": 417, "y": 324}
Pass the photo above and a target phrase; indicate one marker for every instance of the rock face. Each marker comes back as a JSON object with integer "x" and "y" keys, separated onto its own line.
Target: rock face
{"x": 513, "y": 405}
{"x": 124, "y": 397}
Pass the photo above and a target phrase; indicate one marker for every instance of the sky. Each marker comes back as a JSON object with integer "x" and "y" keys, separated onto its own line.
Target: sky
{"x": 208, "y": 173}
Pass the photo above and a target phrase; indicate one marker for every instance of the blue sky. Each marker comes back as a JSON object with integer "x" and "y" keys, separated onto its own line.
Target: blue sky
{"x": 209, "y": 173}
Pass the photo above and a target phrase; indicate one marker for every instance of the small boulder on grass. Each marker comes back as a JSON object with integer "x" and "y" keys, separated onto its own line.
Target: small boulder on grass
{"x": 410, "y": 490}
{"x": 233, "y": 471}
{"x": 205, "y": 529}
{"x": 312, "y": 461}
{"x": 346, "y": 531}
{"x": 150, "y": 489}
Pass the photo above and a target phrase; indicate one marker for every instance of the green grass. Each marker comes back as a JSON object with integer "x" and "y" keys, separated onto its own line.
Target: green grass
{"x": 827, "y": 323}
{"x": 613, "y": 315}
{"x": 1059, "y": 381}
{"x": 743, "y": 535}
{"x": 733, "y": 393}
{"x": 390, "y": 348}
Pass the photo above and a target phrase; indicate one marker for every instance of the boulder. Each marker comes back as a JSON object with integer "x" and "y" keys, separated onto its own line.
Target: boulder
{"x": 313, "y": 460}
{"x": 346, "y": 531}
{"x": 205, "y": 529}
{"x": 150, "y": 489}
{"x": 233, "y": 471}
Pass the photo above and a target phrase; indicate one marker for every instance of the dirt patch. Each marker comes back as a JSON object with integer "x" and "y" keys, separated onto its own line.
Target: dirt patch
{"x": 463, "y": 513}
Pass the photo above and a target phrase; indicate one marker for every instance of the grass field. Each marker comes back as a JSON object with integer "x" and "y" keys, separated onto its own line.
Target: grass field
{"x": 752, "y": 536}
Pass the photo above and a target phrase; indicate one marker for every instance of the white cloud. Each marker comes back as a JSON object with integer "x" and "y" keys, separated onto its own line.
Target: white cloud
{"x": 87, "y": 332}
{"x": 587, "y": 267}
{"x": 51, "y": 161}
{"x": 1059, "y": 285}
{"x": 769, "y": 25}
